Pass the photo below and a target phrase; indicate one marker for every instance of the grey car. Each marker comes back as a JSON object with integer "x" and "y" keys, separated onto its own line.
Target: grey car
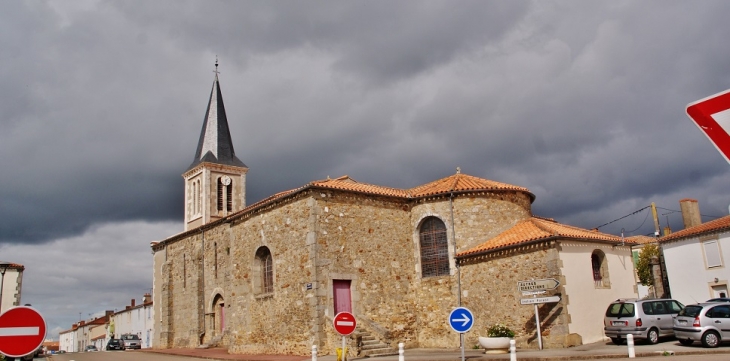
{"x": 707, "y": 322}
{"x": 644, "y": 319}
{"x": 131, "y": 341}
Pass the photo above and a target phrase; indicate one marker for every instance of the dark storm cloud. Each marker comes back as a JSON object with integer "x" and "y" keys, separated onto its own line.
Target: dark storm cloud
{"x": 101, "y": 105}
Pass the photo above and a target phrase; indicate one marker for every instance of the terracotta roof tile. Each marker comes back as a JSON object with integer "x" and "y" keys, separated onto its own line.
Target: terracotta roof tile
{"x": 717, "y": 225}
{"x": 536, "y": 229}
{"x": 458, "y": 183}
{"x": 463, "y": 182}
{"x": 349, "y": 184}
{"x": 641, "y": 239}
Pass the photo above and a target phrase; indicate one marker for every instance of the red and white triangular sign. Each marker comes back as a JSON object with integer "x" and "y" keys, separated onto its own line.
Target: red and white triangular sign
{"x": 712, "y": 116}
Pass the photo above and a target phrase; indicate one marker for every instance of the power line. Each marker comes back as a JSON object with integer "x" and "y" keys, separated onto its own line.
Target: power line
{"x": 676, "y": 211}
{"x": 628, "y": 215}
{"x": 641, "y": 225}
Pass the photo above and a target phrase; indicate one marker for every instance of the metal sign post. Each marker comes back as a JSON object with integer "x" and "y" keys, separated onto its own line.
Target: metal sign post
{"x": 534, "y": 288}
{"x": 537, "y": 323}
{"x": 461, "y": 320}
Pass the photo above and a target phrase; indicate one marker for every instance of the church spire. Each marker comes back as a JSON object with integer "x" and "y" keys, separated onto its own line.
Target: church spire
{"x": 215, "y": 183}
{"x": 215, "y": 144}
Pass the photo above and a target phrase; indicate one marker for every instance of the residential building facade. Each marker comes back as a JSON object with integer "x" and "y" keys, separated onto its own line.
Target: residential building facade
{"x": 11, "y": 285}
{"x": 696, "y": 256}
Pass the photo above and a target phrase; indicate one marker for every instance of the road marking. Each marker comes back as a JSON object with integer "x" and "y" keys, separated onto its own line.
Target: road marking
{"x": 20, "y": 331}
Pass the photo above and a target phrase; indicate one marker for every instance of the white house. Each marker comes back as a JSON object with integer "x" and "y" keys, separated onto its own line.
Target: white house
{"x": 11, "y": 280}
{"x": 695, "y": 257}
{"x": 135, "y": 319}
{"x": 67, "y": 340}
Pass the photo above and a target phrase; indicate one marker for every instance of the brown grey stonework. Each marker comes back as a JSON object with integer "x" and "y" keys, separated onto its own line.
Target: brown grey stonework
{"x": 323, "y": 235}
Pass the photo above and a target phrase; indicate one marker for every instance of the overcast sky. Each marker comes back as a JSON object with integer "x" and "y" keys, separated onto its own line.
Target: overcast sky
{"x": 101, "y": 106}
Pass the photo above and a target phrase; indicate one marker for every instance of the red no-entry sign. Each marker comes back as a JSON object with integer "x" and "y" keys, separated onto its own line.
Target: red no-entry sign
{"x": 22, "y": 330}
{"x": 712, "y": 116}
{"x": 344, "y": 323}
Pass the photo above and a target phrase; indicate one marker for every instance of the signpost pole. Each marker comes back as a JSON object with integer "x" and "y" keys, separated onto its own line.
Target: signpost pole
{"x": 461, "y": 338}
{"x": 343, "y": 349}
{"x": 537, "y": 323}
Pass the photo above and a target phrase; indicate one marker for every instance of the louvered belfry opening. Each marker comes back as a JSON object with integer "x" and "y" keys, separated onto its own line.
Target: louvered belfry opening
{"x": 220, "y": 194}
{"x": 434, "y": 248}
{"x": 229, "y": 197}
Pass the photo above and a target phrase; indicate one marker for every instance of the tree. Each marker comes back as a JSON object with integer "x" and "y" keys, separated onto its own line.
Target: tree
{"x": 643, "y": 265}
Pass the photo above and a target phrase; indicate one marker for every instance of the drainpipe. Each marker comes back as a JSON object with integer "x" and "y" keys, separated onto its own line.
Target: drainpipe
{"x": 453, "y": 239}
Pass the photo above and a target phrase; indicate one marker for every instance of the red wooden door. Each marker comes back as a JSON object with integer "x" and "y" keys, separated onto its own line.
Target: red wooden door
{"x": 341, "y": 293}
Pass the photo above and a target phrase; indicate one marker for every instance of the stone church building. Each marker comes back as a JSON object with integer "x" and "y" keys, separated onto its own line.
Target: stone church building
{"x": 270, "y": 276}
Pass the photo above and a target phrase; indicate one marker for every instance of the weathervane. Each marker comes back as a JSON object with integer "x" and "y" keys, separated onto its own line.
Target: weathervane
{"x": 216, "y": 67}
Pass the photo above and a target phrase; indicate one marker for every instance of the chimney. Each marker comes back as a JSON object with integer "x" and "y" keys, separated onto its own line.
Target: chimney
{"x": 690, "y": 212}
{"x": 147, "y": 298}
{"x": 109, "y": 312}
{"x": 132, "y": 304}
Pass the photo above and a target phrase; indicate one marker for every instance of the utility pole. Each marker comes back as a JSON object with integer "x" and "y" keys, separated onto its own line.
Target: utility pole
{"x": 656, "y": 220}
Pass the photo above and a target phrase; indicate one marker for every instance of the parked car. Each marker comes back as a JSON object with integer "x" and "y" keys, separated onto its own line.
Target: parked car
{"x": 719, "y": 299}
{"x": 115, "y": 344}
{"x": 131, "y": 341}
{"x": 91, "y": 348}
{"x": 644, "y": 319}
{"x": 707, "y": 322}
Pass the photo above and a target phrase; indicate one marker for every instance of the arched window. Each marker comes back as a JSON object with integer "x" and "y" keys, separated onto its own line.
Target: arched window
{"x": 264, "y": 267}
{"x": 599, "y": 267}
{"x": 434, "y": 248}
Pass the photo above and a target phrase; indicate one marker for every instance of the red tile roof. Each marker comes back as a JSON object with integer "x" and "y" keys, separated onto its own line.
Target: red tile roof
{"x": 642, "y": 239}
{"x": 714, "y": 226}
{"x": 456, "y": 183}
{"x": 538, "y": 229}
{"x": 11, "y": 265}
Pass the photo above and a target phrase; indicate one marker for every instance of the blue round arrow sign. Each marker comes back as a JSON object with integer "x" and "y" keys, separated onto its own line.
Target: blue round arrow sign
{"x": 461, "y": 320}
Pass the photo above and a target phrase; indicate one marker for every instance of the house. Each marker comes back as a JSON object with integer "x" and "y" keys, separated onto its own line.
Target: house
{"x": 269, "y": 277}
{"x": 11, "y": 285}
{"x": 67, "y": 340}
{"x": 695, "y": 257}
{"x": 83, "y": 333}
{"x": 135, "y": 319}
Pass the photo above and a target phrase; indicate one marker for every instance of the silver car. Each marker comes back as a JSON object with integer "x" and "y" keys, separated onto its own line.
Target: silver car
{"x": 707, "y": 322}
{"x": 644, "y": 319}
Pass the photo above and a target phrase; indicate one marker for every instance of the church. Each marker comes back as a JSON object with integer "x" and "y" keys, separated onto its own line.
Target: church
{"x": 268, "y": 277}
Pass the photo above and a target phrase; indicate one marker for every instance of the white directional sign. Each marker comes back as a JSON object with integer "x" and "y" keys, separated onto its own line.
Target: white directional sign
{"x": 538, "y": 285}
{"x": 532, "y": 293}
{"x": 539, "y": 300}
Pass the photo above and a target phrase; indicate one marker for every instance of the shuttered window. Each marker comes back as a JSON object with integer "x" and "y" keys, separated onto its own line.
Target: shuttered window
{"x": 712, "y": 254}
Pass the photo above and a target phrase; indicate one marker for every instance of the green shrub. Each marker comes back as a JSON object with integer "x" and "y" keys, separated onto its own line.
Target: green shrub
{"x": 500, "y": 330}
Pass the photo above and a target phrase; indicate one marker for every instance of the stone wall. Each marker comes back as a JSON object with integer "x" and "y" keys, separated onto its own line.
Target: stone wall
{"x": 489, "y": 287}
{"x": 477, "y": 218}
{"x": 366, "y": 240}
{"x": 316, "y": 237}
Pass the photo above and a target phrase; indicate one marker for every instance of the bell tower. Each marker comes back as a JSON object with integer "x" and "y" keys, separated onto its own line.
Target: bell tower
{"x": 215, "y": 183}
